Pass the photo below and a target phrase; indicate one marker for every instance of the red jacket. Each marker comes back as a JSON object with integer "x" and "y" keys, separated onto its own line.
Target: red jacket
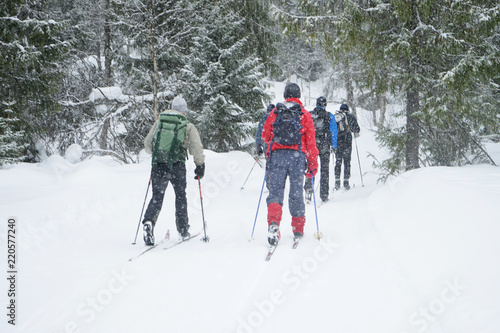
{"x": 308, "y": 136}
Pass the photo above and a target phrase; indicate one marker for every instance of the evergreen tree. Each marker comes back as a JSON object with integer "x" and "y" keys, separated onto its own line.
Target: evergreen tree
{"x": 224, "y": 81}
{"x": 320, "y": 23}
{"x": 30, "y": 51}
{"x": 441, "y": 57}
{"x": 11, "y": 138}
{"x": 261, "y": 31}
{"x": 157, "y": 34}
{"x": 85, "y": 67}
{"x": 445, "y": 64}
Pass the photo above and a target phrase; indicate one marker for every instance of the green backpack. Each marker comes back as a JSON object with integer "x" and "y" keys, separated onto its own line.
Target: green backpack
{"x": 168, "y": 142}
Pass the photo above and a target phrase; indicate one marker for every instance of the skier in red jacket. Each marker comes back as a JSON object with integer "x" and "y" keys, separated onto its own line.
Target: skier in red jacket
{"x": 289, "y": 161}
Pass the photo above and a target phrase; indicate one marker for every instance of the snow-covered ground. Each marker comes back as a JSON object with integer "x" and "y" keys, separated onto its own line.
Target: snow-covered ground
{"x": 417, "y": 254}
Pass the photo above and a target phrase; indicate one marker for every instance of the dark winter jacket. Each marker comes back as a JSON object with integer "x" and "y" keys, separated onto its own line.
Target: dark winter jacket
{"x": 346, "y": 136}
{"x": 326, "y": 137}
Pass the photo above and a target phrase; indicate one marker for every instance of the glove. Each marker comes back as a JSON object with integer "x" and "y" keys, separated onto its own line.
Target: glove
{"x": 356, "y": 135}
{"x": 314, "y": 172}
{"x": 333, "y": 150}
{"x": 312, "y": 166}
{"x": 199, "y": 171}
{"x": 260, "y": 151}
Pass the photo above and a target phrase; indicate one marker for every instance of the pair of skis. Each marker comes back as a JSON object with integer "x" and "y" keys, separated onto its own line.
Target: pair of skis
{"x": 272, "y": 248}
{"x": 163, "y": 241}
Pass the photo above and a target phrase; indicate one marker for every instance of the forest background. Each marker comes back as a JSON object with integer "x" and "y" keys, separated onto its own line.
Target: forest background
{"x": 97, "y": 73}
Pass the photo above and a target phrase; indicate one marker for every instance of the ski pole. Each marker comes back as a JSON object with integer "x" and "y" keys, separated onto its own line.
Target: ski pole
{"x": 142, "y": 211}
{"x": 242, "y": 186}
{"x": 359, "y": 163}
{"x": 258, "y": 205}
{"x": 318, "y": 235}
{"x": 205, "y": 238}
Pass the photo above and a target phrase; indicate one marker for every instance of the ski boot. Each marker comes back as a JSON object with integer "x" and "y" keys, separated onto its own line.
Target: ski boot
{"x": 273, "y": 235}
{"x": 346, "y": 184}
{"x": 309, "y": 194}
{"x": 149, "y": 238}
{"x": 337, "y": 184}
{"x": 185, "y": 233}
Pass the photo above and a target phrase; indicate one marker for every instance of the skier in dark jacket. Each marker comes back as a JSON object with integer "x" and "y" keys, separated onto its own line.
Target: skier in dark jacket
{"x": 289, "y": 161}
{"x": 346, "y": 123}
{"x": 326, "y": 140}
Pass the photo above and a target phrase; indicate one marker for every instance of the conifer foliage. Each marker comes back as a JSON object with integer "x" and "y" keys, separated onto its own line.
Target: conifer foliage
{"x": 29, "y": 53}
{"x": 11, "y": 138}
{"x": 441, "y": 58}
{"x": 223, "y": 80}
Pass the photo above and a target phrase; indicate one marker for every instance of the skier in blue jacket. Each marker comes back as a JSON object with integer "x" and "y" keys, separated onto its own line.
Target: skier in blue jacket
{"x": 326, "y": 141}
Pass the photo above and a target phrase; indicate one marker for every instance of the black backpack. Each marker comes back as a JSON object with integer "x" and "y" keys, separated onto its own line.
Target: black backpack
{"x": 287, "y": 124}
{"x": 321, "y": 120}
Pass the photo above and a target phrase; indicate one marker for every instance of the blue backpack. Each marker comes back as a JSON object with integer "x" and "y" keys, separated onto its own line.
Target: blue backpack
{"x": 287, "y": 125}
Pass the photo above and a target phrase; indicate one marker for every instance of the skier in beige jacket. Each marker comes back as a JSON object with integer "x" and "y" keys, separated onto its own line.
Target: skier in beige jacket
{"x": 163, "y": 173}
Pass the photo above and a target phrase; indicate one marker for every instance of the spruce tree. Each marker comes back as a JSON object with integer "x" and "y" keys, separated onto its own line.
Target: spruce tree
{"x": 440, "y": 57}
{"x": 223, "y": 80}
{"x": 11, "y": 137}
{"x": 30, "y": 51}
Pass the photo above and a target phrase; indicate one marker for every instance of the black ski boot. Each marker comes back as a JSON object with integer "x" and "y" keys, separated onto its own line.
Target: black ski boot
{"x": 273, "y": 235}
{"x": 149, "y": 238}
{"x": 309, "y": 194}
{"x": 337, "y": 184}
{"x": 346, "y": 184}
{"x": 185, "y": 233}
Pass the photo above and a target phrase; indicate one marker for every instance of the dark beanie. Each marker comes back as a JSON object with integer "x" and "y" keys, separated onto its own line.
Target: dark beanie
{"x": 291, "y": 90}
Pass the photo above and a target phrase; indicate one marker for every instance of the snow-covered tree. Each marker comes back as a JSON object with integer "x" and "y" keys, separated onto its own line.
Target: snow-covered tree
{"x": 440, "y": 57}
{"x": 223, "y": 80}
{"x": 30, "y": 51}
{"x": 156, "y": 34}
{"x": 443, "y": 61}
{"x": 11, "y": 137}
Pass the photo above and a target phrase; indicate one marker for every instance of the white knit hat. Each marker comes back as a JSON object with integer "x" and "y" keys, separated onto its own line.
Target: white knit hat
{"x": 179, "y": 104}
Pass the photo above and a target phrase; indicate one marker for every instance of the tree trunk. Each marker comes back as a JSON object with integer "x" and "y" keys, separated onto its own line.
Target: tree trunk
{"x": 383, "y": 108}
{"x": 154, "y": 75}
{"x": 412, "y": 129}
{"x": 108, "y": 76}
{"x": 348, "y": 86}
{"x": 103, "y": 139}
{"x": 103, "y": 142}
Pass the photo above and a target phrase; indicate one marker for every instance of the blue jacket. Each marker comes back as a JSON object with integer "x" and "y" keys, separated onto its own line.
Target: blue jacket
{"x": 326, "y": 139}
{"x": 333, "y": 130}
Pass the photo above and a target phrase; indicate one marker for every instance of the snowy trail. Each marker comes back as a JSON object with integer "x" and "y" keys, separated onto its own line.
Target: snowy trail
{"x": 418, "y": 254}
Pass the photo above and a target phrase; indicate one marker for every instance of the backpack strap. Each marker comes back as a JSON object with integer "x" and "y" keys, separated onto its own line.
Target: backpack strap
{"x": 173, "y": 146}
{"x": 157, "y": 142}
